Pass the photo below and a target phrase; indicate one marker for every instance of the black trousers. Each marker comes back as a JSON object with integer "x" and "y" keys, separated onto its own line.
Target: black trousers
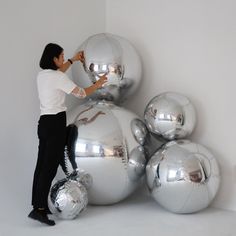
{"x": 52, "y": 140}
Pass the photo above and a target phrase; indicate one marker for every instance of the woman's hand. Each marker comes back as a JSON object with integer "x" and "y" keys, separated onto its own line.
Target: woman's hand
{"x": 91, "y": 89}
{"x": 79, "y": 56}
{"x": 101, "y": 81}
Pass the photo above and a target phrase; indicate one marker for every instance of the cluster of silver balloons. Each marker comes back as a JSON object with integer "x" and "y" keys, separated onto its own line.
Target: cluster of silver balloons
{"x": 182, "y": 176}
{"x": 115, "y": 147}
{"x": 105, "y": 140}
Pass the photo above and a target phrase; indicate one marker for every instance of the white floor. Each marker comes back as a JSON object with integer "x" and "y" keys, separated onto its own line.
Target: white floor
{"x": 138, "y": 215}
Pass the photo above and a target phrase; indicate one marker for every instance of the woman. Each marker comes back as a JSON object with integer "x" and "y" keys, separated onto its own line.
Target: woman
{"x": 53, "y": 85}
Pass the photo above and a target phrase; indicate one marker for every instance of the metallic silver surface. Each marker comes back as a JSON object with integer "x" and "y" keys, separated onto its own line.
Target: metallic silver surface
{"x": 107, "y": 150}
{"x": 139, "y": 131}
{"x": 170, "y": 115}
{"x": 85, "y": 179}
{"x": 79, "y": 175}
{"x": 183, "y": 176}
{"x": 67, "y": 199}
{"x": 111, "y": 55}
{"x": 152, "y": 144}
{"x": 137, "y": 163}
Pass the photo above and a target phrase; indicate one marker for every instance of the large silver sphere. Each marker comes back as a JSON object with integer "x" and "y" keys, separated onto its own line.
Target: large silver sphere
{"x": 111, "y": 55}
{"x": 106, "y": 148}
{"x": 183, "y": 177}
{"x": 170, "y": 115}
{"x": 67, "y": 198}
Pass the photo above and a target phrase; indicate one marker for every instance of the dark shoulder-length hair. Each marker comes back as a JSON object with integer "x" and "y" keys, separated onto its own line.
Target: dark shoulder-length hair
{"x": 50, "y": 51}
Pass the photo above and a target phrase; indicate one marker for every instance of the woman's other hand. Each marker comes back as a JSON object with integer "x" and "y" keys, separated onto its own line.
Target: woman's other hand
{"x": 101, "y": 81}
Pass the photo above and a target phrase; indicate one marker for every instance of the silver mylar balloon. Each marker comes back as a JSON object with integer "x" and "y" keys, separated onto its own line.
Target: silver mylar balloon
{"x": 67, "y": 198}
{"x": 111, "y": 55}
{"x": 139, "y": 131}
{"x": 137, "y": 163}
{"x": 183, "y": 176}
{"x": 170, "y": 115}
{"x": 106, "y": 149}
{"x": 81, "y": 176}
{"x": 85, "y": 179}
{"x": 149, "y": 143}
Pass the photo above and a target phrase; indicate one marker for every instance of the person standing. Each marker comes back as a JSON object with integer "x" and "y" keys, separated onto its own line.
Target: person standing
{"x": 53, "y": 85}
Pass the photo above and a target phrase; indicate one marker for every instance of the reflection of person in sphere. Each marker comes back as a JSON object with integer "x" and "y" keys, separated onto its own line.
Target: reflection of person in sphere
{"x": 86, "y": 120}
{"x": 53, "y": 85}
{"x": 92, "y": 73}
{"x": 91, "y": 67}
{"x": 153, "y": 113}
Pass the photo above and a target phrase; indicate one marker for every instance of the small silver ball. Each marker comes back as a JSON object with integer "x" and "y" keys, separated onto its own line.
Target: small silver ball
{"x": 67, "y": 199}
{"x": 139, "y": 130}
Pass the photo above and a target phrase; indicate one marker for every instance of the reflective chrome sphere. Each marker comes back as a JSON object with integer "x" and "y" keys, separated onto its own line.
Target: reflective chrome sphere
{"x": 183, "y": 177}
{"x": 112, "y": 55}
{"x": 170, "y": 115}
{"x": 139, "y": 131}
{"x": 78, "y": 175}
{"x": 67, "y": 198}
{"x": 106, "y": 149}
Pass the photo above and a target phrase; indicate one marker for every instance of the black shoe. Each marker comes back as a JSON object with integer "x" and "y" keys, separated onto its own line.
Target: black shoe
{"x": 41, "y": 216}
{"x": 48, "y": 212}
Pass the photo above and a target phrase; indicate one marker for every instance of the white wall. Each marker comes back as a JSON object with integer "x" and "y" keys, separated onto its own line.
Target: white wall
{"x": 188, "y": 46}
{"x": 26, "y": 27}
